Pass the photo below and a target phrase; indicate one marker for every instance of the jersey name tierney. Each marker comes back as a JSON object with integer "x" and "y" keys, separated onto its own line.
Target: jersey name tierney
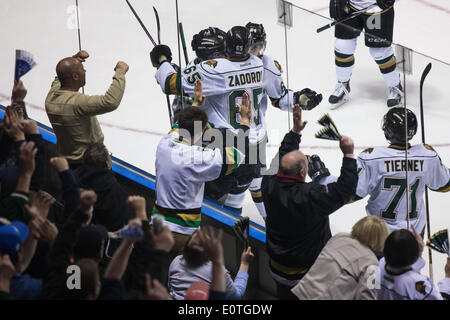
{"x": 400, "y": 165}
{"x": 242, "y": 79}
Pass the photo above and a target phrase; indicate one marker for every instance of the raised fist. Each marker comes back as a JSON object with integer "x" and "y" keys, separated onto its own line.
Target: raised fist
{"x": 81, "y": 55}
{"x": 59, "y": 163}
{"x": 121, "y": 65}
{"x": 138, "y": 205}
{"x": 30, "y": 127}
{"x": 347, "y": 146}
{"x": 160, "y": 53}
{"x": 19, "y": 92}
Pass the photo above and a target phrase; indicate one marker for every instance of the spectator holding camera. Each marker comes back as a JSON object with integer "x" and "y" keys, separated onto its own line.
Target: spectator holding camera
{"x": 297, "y": 224}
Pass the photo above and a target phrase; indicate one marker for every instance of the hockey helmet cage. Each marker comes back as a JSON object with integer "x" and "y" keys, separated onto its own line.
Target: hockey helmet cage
{"x": 394, "y": 122}
{"x": 258, "y": 35}
{"x": 238, "y": 42}
{"x": 209, "y": 43}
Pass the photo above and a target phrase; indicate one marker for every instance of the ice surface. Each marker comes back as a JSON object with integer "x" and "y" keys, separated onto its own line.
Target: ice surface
{"x": 109, "y": 32}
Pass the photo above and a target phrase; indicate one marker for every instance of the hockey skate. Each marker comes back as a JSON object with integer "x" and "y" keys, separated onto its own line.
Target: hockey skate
{"x": 340, "y": 95}
{"x": 395, "y": 95}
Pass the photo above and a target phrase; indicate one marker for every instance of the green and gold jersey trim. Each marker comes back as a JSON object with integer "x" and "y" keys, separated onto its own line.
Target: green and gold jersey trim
{"x": 233, "y": 160}
{"x": 185, "y": 218}
{"x": 445, "y": 188}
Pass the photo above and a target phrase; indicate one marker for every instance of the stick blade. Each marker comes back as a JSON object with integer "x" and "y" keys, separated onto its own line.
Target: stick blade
{"x": 425, "y": 73}
{"x": 158, "y": 26}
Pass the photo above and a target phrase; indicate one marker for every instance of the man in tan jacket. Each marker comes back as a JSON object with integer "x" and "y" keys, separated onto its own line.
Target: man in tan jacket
{"x": 73, "y": 114}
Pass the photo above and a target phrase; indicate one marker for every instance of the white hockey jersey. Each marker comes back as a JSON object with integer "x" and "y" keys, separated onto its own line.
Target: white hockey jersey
{"x": 382, "y": 175}
{"x": 224, "y": 83}
{"x": 181, "y": 172}
{"x": 362, "y": 4}
{"x": 410, "y": 285}
{"x": 274, "y": 87}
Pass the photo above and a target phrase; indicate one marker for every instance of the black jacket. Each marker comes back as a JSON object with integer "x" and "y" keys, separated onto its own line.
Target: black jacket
{"x": 59, "y": 258}
{"x": 110, "y": 210}
{"x": 297, "y": 224}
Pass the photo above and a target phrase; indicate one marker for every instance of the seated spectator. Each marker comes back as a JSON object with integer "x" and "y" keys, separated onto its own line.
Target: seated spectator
{"x": 209, "y": 244}
{"x": 297, "y": 223}
{"x": 73, "y": 114}
{"x": 343, "y": 268}
{"x": 95, "y": 173}
{"x": 194, "y": 265}
{"x": 400, "y": 277}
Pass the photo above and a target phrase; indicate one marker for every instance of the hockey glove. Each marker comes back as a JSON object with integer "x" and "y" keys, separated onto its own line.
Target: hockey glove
{"x": 316, "y": 168}
{"x": 157, "y": 52}
{"x": 241, "y": 229}
{"x": 385, "y": 4}
{"x": 339, "y": 9}
{"x": 307, "y": 99}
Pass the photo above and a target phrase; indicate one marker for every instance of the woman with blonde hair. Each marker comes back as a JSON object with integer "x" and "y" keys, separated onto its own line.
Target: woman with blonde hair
{"x": 347, "y": 265}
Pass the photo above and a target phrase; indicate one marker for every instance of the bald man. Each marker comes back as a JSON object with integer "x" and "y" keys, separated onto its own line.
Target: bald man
{"x": 73, "y": 114}
{"x": 297, "y": 223}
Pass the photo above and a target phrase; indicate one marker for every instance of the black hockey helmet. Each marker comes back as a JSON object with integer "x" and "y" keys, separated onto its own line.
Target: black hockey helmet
{"x": 238, "y": 42}
{"x": 209, "y": 43}
{"x": 257, "y": 31}
{"x": 258, "y": 35}
{"x": 394, "y": 124}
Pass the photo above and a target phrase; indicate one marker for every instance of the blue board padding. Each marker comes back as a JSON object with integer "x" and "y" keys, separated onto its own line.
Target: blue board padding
{"x": 209, "y": 208}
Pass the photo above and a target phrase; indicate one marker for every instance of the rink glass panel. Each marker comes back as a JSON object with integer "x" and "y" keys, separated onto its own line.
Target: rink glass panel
{"x": 311, "y": 64}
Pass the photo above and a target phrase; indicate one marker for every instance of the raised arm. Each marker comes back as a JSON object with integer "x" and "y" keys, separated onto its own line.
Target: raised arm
{"x": 95, "y": 105}
{"x": 291, "y": 140}
{"x": 327, "y": 199}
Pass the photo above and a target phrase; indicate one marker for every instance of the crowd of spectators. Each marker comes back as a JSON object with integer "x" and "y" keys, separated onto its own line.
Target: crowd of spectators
{"x": 68, "y": 230}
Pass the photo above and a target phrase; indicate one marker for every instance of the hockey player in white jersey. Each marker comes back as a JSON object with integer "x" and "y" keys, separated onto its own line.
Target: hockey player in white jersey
{"x": 183, "y": 167}
{"x": 378, "y": 23}
{"x": 208, "y": 44}
{"x": 391, "y": 180}
{"x": 225, "y": 80}
{"x": 280, "y": 97}
{"x": 400, "y": 277}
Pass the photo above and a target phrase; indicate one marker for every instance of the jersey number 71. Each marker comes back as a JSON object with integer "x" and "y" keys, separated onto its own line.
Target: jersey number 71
{"x": 390, "y": 213}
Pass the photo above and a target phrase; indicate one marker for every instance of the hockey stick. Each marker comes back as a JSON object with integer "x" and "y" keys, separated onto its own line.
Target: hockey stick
{"x": 183, "y": 43}
{"x": 354, "y": 14}
{"x": 158, "y": 27}
{"x": 140, "y": 22}
{"x": 79, "y": 33}
{"x": 427, "y": 209}
{"x": 154, "y": 44}
{"x": 179, "y": 53}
